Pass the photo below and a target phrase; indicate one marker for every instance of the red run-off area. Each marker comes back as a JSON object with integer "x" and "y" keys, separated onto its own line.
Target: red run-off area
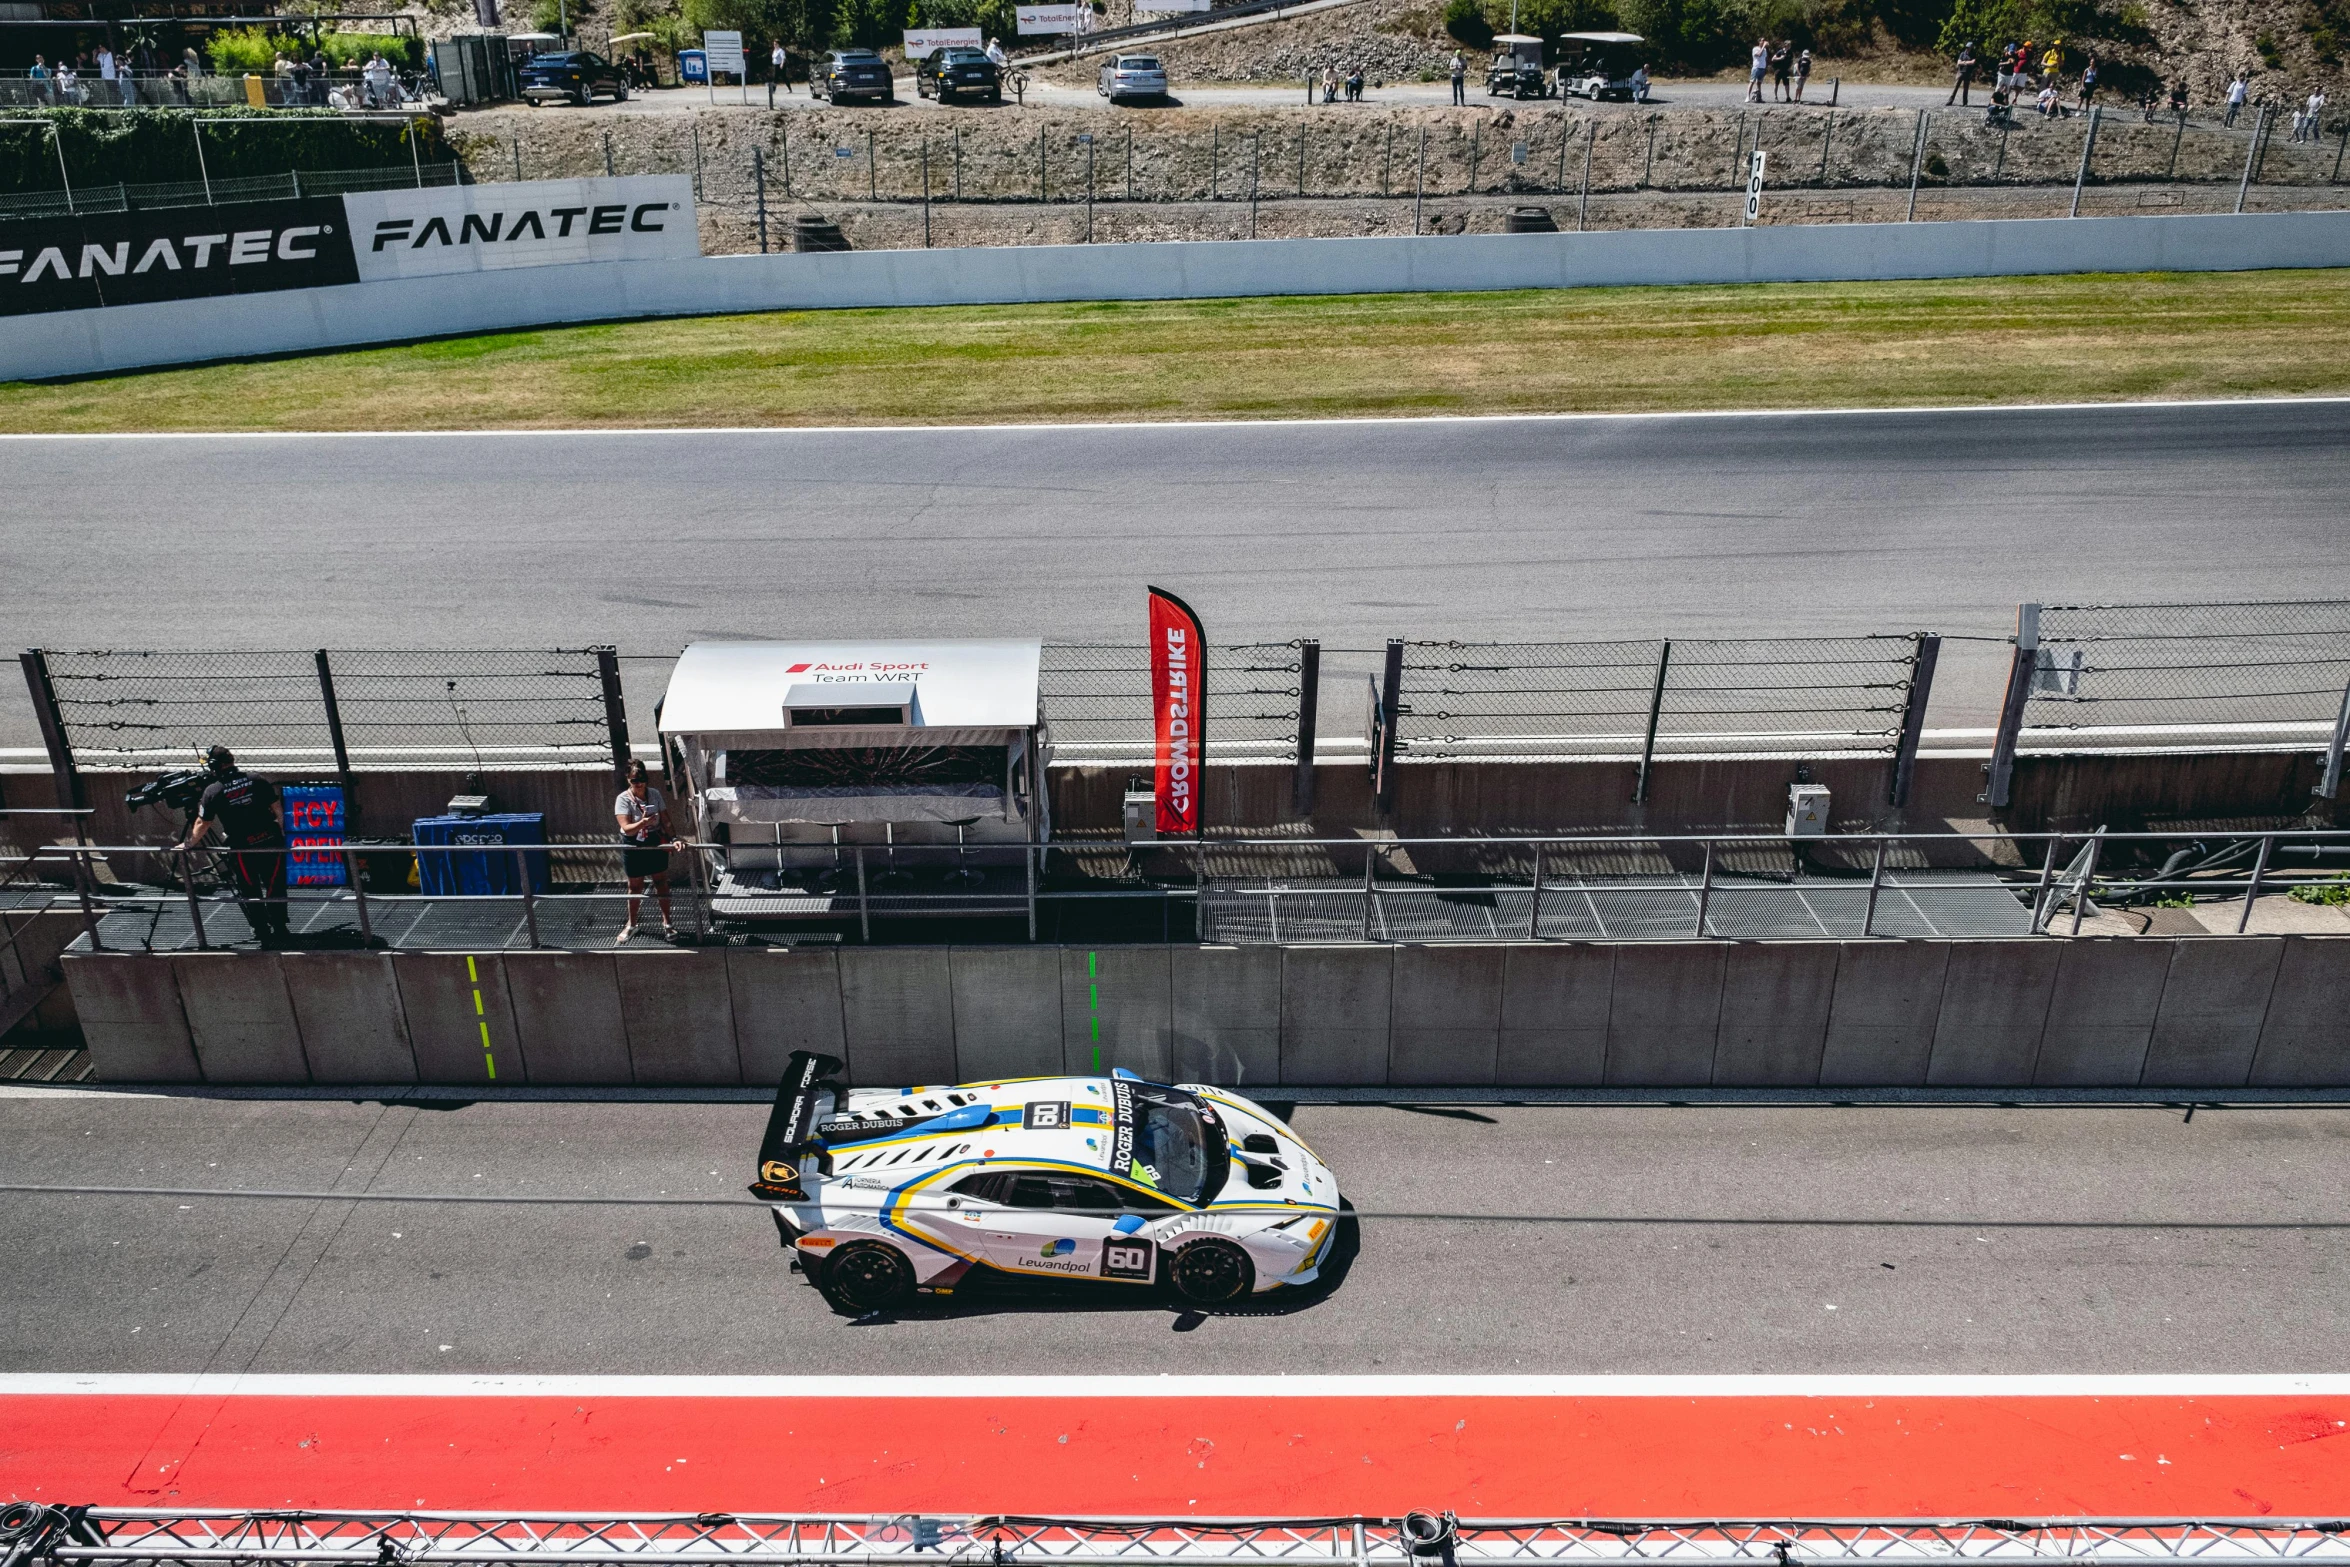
{"x": 1499, "y": 1447}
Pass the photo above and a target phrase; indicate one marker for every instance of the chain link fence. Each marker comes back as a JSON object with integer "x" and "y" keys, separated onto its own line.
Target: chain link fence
{"x": 2141, "y": 675}
{"x": 364, "y": 709}
{"x": 1097, "y": 700}
{"x": 1620, "y": 701}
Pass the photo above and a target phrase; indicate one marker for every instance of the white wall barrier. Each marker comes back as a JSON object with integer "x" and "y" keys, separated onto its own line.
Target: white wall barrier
{"x": 83, "y": 342}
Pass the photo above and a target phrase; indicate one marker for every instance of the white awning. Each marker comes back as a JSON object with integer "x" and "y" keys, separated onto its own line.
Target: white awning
{"x": 737, "y": 689}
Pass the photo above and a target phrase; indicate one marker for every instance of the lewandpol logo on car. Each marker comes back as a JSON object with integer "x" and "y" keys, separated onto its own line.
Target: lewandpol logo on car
{"x": 487, "y": 228}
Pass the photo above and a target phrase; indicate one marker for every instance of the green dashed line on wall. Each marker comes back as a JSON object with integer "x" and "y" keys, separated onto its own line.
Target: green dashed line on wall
{"x": 1093, "y": 987}
{"x": 488, "y": 1060}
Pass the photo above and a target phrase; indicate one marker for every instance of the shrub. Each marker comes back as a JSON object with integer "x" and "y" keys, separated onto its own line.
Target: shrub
{"x": 2333, "y": 890}
{"x": 1465, "y": 21}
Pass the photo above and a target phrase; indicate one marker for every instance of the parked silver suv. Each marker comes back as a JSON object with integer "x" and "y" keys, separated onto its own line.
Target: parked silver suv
{"x": 1132, "y": 76}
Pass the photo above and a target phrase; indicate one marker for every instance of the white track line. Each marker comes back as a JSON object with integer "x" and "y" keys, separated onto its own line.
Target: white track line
{"x": 1094, "y": 1388}
{"x": 1051, "y": 429}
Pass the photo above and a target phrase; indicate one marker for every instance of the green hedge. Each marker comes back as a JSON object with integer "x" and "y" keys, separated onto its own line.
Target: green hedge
{"x": 157, "y": 146}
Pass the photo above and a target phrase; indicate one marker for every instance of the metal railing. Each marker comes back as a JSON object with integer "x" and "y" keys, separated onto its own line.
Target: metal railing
{"x": 1280, "y": 891}
{"x": 291, "y": 185}
{"x": 106, "y": 1534}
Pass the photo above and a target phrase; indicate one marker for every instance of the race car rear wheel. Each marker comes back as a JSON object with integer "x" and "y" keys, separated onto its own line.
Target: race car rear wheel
{"x": 1211, "y": 1272}
{"x": 867, "y": 1276}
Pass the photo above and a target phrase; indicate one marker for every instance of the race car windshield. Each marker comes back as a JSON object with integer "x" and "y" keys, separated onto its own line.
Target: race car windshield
{"x": 1178, "y": 1152}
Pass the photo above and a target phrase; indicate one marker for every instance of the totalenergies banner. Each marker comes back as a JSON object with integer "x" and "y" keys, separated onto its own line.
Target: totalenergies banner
{"x": 1179, "y": 719}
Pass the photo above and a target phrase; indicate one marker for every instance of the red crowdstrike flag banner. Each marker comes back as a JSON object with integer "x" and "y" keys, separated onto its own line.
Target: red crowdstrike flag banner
{"x": 1179, "y": 719}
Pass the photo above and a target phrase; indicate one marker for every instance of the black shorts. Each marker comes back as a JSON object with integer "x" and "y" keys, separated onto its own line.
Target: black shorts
{"x": 637, "y": 860}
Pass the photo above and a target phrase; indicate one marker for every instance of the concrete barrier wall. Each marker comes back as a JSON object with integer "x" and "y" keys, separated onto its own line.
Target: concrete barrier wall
{"x": 2090, "y": 1013}
{"x": 83, "y": 342}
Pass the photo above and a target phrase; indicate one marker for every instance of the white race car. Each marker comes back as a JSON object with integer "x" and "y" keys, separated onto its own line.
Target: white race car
{"x": 888, "y": 1193}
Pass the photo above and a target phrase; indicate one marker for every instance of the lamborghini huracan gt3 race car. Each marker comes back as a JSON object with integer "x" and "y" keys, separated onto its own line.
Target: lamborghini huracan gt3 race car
{"x": 886, "y": 1193}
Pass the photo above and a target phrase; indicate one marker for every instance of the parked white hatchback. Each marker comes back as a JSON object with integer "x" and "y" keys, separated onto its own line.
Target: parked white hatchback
{"x": 1127, "y": 76}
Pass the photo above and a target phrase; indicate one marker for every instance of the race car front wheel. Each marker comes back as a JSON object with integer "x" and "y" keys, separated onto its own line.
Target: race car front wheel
{"x": 867, "y": 1276}
{"x": 1211, "y": 1272}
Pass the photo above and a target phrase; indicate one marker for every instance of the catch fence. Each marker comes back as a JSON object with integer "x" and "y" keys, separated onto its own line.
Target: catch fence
{"x": 1097, "y": 701}
{"x": 1556, "y": 154}
{"x": 1634, "y": 701}
{"x": 352, "y": 710}
{"x": 289, "y": 186}
{"x": 2138, "y": 675}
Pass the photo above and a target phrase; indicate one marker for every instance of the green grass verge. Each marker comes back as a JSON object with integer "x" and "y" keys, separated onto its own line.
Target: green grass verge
{"x": 1618, "y": 349}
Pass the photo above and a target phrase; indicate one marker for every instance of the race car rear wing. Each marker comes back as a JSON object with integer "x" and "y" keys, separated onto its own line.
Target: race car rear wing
{"x": 790, "y": 1143}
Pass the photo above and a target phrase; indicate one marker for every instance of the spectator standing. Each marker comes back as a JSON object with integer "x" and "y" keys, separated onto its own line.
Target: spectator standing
{"x": 192, "y": 62}
{"x": 2236, "y": 91}
{"x": 2052, "y": 63}
{"x": 248, "y": 813}
{"x": 2003, "y": 80}
{"x": 1802, "y": 73}
{"x": 781, "y": 73}
{"x": 39, "y": 77}
{"x": 1460, "y": 78}
{"x": 1783, "y": 72}
{"x": 2317, "y": 114}
{"x": 643, "y": 816}
{"x": 2089, "y": 82}
{"x": 1757, "y": 65}
{"x": 1966, "y": 77}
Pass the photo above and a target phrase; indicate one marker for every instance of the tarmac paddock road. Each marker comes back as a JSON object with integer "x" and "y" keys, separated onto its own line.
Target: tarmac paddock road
{"x": 1688, "y": 1239}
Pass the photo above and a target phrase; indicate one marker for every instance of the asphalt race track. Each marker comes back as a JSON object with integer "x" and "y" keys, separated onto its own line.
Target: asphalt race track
{"x": 1732, "y": 1239}
{"x": 1541, "y": 529}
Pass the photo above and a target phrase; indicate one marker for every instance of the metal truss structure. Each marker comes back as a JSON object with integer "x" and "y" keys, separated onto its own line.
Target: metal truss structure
{"x": 30, "y": 1535}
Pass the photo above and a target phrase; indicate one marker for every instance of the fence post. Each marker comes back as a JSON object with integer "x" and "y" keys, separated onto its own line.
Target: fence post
{"x": 530, "y": 908}
{"x": 1028, "y": 855}
{"x": 334, "y": 735}
{"x": 1470, "y": 189}
{"x": 2177, "y": 137}
{"x": 51, "y": 719}
{"x": 2252, "y": 888}
{"x": 59, "y": 136}
{"x": 1301, "y": 165}
{"x": 1927, "y": 652}
{"x": 1129, "y": 163}
{"x": 1088, "y": 191}
{"x": 2335, "y": 178}
{"x": 1583, "y": 205}
{"x": 1420, "y": 185}
{"x": 1566, "y": 139}
{"x": 1309, "y": 701}
{"x": 759, "y": 184}
{"x": 195, "y": 905}
{"x": 1917, "y": 162}
{"x": 2088, "y": 877}
{"x": 1255, "y": 143}
{"x": 204, "y": 170}
{"x": 416, "y": 150}
{"x": 2329, "y": 785}
{"x": 1648, "y": 166}
{"x": 615, "y": 709}
{"x": 1705, "y": 890}
{"x": 2040, "y": 906}
{"x": 1534, "y": 924}
{"x": 517, "y": 155}
{"x": 1387, "y": 166}
{"x": 695, "y": 127}
{"x": 1868, "y": 923}
{"x": 1656, "y": 707}
{"x": 864, "y": 910}
{"x": 872, "y": 171}
{"x": 1390, "y": 705}
{"x": 926, "y": 203}
{"x": 2001, "y": 767}
{"x": 2244, "y": 188}
{"x": 358, "y": 888}
{"x": 2088, "y": 146}
{"x": 1041, "y": 186}
{"x": 783, "y": 149}
{"x": 1827, "y": 140}
{"x": 1370, "y": 891}
{"x": 1215, "y": 156}
{"x": 609, "y": 171}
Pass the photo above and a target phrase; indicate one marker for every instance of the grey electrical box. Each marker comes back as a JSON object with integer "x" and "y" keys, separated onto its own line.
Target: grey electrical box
{"x": 1807, "y": 810}
{"x": 1142, "y": 816}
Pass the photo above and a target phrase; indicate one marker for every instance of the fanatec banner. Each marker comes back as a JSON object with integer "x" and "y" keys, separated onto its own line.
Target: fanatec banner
{"x": 129, "y": 258}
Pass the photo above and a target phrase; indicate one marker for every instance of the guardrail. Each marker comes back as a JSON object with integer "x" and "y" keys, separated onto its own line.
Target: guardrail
{"x": 1233, "y": 891}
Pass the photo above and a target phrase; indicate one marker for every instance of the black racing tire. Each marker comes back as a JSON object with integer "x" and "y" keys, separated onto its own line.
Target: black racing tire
{"x": 866, "y": 1276}
{"x": 1211, "y": 1271}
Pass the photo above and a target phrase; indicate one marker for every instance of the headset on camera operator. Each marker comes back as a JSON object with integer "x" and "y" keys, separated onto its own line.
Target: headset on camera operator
{"x": 248, "y": 812}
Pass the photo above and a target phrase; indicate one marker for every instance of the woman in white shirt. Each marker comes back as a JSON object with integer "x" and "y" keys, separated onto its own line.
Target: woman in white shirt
{"x": 644, "y": 848}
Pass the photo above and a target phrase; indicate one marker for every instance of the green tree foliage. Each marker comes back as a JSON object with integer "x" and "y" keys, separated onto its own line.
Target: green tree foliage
{"x": 1465, "y": 21}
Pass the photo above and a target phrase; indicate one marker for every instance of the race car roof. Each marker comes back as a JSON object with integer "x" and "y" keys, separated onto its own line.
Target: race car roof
{"x": 1060, "y": 1120}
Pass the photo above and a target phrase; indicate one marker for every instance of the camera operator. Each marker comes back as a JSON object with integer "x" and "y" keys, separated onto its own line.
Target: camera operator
{"x": 250, "y": 818}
